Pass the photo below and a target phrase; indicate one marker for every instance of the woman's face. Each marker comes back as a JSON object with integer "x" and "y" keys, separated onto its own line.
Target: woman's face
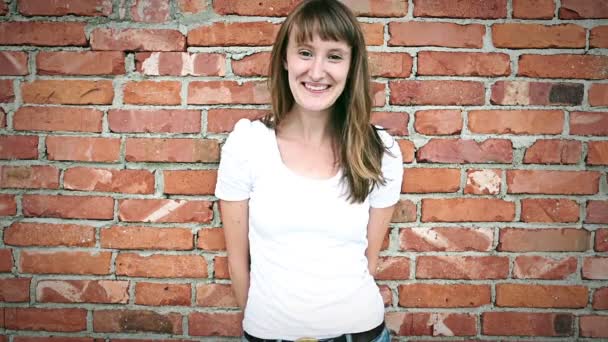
{"x": 317, "y": 72}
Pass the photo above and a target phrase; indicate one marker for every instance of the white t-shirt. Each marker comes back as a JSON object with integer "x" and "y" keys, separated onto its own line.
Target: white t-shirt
{"x": 309, "y": 275}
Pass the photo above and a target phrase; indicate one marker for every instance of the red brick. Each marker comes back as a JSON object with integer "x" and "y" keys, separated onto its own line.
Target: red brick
{"x": 466, "y": 151}
{"x": 215, "y": 323}
{"x": 595, "y": 268}
{"x": 598, "y": 94}
{"x": 541, "y": 296}
{"x": 6, "y": 260}
{"x": 252, "y": 65}
{"x": 151, "y": 11}
{"x": 516, "y": 121}
{"x": 79, "y": 92}
{"x": 233, "y": 34}
{"x": 181, "y": 64}
{"x": 265, "y": 8}
{"x": 597, "y": 153}
{"x": 589, "y": 123}
{"x": 7, "y": 94}
{"x": 405, "y": 211}
{"x": 549, "y": 210}
{"x": 215, "y": 295}
{"x": 446, "y": 239}
{"x": 135, "y": 39}
{"x": 600, "y": 298}
{"x": 395, "y": 123}
{"x": 159, "y": 294}
{"x": 540, "y": 267}
{"x": 533, "y": 9}
{"x": 39, "y": 262}
{"x": 228, "y": 92}
{"x": 13, "y": 63}
{"x": 60, "y": 320}
{"x": 58, "y": 119}
{"x": 190, "y": 182}
{"x": 407, "y": 150}
{"x": 42, "y": 33}
{"x": 65, "y": 7}
{"x": 419, "y": 295}
{"x": 192, "y": 6}
{"x": 578, "y": 66}
{"x": 601, "y": 240}
{"x": 552, "y": 182}
{"x": 48, "y": 234}
{"x": 220, "y": 264}
{"x": 211, "y": 239}
{"x": 387, "y": 295}
{"x": 161, "y": 266}
{"x": 18, "y": 147}
{"x": 483, "y": 9}
{"x": 446, "y": 92}
{"x": 483, "y": 182}
{"x": 172, "y": 150}
{"x": 467, "y": 209}
{"x": 83, "y": 291}
{"x": 165, "y": 210}
{"x": 598, "y": 37}
{"x": 526, "y": 324}
{"x": 29, "y": 177}
{"x": 15, "y": 290}
{"x": 109, "y": 180}
{"x": 52, "y": 339}
{"x": 393, "y": 268}
{"x": 153, "y": 93}
{"x": 581, "y": 9}
{"x": 528, "y": 36}
{"x": 8, "y": 206}
{"x": 222, "y": 120}
{"x": 546, "y": 151}
{"x": 108, "y": 321}
{"x": 593, "y": 326}
{"x": 154, "y": 121}
{"x": 463, "y": 64}
{"x": 543, "y": 240}
{"x": 3, "y": 11}
{"x": 373, "y": 33}
{"x": 536, "y": 93}
{"x": 2, "y": 118}
{"x": 424, "y": 180}
{"x": 431, "y": 324}
{"x": 390, "y": 64}
{"x": 83, "y": 207}
{"x": 466, "y": 267}
{"x": 80, "y": 63}
{"x": 378, "y": 94}
{"x": 117, "y": 237}
{"x": 83, "y": 148}
{"x": 415, "y": 33}
{"x": 438, "y": 122}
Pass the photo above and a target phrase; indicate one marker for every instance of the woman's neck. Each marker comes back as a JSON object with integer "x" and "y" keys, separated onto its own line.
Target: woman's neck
{"x": 312, "y": 128}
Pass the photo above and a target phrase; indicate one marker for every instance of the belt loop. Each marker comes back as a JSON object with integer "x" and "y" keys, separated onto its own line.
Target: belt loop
{"x": 349, "y": 338}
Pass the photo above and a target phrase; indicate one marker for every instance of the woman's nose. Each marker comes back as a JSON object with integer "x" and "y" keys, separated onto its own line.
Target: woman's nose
{"x": 317, "y": 69}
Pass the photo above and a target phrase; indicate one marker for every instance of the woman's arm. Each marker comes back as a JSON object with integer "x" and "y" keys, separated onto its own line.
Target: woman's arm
{"x": 235, "y": 220}
{"x": 379, "y": 219}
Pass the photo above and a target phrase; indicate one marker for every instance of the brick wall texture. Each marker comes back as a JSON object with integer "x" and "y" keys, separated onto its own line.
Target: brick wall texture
{"x": 113, "y": 112}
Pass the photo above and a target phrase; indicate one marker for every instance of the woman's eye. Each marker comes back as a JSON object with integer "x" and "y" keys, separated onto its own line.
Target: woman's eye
{"x": 335, "y": 57}
{"x": 304, "y": 53}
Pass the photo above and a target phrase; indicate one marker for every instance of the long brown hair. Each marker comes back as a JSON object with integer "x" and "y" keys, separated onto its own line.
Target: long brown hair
{"x": 358, "y": 147}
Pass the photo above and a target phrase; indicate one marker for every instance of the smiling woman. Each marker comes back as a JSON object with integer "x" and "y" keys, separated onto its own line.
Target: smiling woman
{"x": 315, "y": 153}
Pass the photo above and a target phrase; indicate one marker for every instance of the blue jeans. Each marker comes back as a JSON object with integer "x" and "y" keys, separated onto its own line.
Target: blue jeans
{"x": 385, "y": 336}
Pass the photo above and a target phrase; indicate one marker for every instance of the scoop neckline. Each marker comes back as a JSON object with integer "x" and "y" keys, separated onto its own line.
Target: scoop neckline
{"x": 286, "y": 168}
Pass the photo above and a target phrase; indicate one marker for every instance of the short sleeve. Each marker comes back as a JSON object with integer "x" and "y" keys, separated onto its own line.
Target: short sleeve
{"x": 234, "y": 177}
{"x": 383, "y": 196}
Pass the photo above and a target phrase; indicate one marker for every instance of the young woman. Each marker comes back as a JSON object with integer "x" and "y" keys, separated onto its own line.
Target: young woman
{"x": 306, "y": 196}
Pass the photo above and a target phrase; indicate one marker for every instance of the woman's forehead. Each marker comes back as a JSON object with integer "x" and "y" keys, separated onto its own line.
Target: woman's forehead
{"x": 315, "y": 38}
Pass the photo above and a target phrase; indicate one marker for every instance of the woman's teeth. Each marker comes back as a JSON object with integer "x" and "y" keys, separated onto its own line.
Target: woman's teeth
{"x": 315, "y": 87}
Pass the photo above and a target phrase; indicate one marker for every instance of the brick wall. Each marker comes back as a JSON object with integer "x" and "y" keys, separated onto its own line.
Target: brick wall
{"x": 113, "y": 113}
